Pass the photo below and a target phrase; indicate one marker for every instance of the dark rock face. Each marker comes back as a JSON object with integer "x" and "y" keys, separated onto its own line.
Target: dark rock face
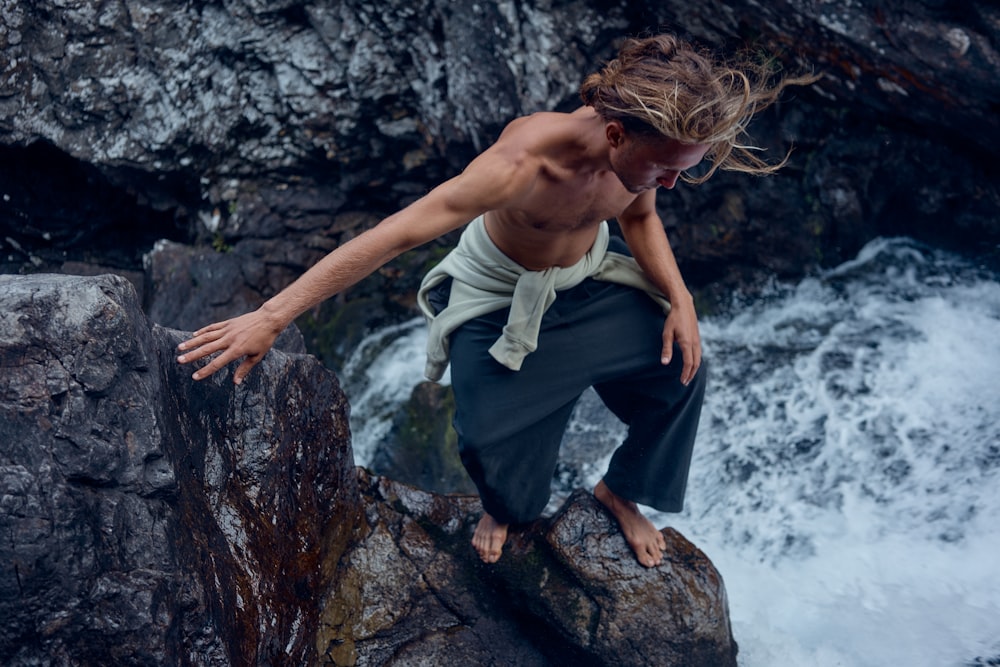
{"x": 257, "y": 123}
{"x": 567, "y": 591}
{"x": 887, "y": 143}
{"x": 422, "y": 447}
{"x": 274, "y": 131}
{"x": 84, "y": 464}
{"x": 268, "y": 497}
{"x": 152, "y": 520}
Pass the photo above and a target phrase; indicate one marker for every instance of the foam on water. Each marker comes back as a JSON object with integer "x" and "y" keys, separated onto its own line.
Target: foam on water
{"x": 378, "y": 377}
{"x": 845, "y": 477}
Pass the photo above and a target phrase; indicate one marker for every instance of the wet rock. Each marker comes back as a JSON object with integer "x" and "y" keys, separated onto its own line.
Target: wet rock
{"x": 411, "y": 592}
{"x": 421, "y": 449}
{"x": 84, "y": 466}
{"x": 269, "y": 496}
{"x": 585, "y": 584}
{"x": 567, "y": 590}
{"x": 148, "y": 519}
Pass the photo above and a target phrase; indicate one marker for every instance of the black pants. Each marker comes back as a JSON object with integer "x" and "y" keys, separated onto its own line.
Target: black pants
{"x": 510, "y": 423}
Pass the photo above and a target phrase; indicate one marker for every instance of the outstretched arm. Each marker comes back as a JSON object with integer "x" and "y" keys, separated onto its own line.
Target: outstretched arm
{"x": 497, "y": 177}
{"x": 644, "y": 233}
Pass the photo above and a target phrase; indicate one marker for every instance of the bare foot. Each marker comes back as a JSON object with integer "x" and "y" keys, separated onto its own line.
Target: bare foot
{"x": 489, "y": 538}
{"x": 640, "y": 533}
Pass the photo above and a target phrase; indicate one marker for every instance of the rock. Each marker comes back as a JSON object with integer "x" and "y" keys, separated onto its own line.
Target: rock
{"x": 144, "y": 121}
{"x": 584, "y": 582}
{"x": 150, "y": 519}
{"x": 884, "y": 143}
{"x": 269, "y": 496}
{"x": 421, "y": 449}
{"x": 411, "y": 592}
{"x": 925, "y": 63}
{"x": 87, "y": 482}
{"x": 186, "y": 288}
{"x": 265, "y": 87}
{"x": 567, "y": 590}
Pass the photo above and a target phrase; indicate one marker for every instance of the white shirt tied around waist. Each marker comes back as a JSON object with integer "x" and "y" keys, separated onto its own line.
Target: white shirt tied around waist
{"x": 484, "y": 279}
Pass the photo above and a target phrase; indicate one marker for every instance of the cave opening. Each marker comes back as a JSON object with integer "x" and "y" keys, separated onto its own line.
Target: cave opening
{"x": 59, "y": 214}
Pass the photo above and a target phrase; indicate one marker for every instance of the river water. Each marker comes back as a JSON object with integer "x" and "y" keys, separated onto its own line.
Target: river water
{"x": 846, "y": 480}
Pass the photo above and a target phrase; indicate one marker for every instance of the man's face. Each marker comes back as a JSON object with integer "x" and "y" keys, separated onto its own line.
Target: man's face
{"x": 645, "y": 163}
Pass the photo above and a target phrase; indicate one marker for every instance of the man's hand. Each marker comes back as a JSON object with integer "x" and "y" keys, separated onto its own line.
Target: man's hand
{"x": 248, "y": 336}
{"x": 681, "y": 327}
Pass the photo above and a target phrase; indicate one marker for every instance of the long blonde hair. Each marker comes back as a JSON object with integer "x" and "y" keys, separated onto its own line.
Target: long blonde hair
{"x": 662, "y": 85}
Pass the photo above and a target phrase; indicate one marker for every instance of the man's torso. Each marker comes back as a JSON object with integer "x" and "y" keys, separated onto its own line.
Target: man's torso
{"x": 555, "y": 222}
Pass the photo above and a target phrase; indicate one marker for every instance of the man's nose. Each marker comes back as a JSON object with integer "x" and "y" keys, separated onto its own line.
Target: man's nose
{"x": 668, "y": 179}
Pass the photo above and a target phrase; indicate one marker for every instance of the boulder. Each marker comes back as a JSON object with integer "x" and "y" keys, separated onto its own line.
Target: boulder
{"x": 576, "y": 574}
{"x": 149, "y": 519}
{"x": 567, "y": 590}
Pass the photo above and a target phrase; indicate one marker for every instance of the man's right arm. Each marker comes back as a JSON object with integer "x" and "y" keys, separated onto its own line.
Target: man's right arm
{"x": 495, "y": 179}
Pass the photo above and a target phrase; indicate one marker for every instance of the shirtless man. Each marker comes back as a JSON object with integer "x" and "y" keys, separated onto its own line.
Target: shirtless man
{"x": 540, "y": 195}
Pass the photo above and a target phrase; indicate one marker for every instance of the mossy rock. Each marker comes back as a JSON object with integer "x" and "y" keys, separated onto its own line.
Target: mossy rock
{"x": 422, "y": 447}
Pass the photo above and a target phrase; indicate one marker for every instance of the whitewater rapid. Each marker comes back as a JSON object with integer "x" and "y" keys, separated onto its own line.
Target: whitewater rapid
{"x": 845, "y": 480}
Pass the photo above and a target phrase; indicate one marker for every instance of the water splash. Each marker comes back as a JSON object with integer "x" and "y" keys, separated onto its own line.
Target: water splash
{"x": 378, "y": 378}
{"x": 845, "y": 477}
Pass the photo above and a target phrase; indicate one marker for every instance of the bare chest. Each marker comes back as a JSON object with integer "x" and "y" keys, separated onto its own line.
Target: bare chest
{"x": 574, "y": 202}
{"x": 556, "y": 224}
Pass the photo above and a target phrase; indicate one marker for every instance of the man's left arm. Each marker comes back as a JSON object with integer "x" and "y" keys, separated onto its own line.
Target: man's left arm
{"x": 646, "y": 238}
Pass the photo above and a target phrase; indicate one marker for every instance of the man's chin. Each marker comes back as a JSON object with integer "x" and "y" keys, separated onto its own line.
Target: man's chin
{"x": 636, "y": 189}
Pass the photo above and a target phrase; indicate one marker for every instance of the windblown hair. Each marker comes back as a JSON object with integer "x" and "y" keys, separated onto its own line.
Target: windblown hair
{"x": 663, "y": 86}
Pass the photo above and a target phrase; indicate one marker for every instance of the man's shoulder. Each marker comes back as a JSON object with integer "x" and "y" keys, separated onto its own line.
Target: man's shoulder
{"x": 539, "y": 128}
{"x": 538, "y": 137}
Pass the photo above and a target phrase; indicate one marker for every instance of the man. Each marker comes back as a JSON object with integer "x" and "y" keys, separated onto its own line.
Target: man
{"x": 536, "y": 304}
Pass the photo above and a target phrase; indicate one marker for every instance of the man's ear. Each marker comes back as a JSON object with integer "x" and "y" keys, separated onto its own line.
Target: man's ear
{"x": 615, "y": 132}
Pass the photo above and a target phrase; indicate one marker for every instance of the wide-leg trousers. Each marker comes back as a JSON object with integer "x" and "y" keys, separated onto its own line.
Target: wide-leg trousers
{"x": 510, "y": 423}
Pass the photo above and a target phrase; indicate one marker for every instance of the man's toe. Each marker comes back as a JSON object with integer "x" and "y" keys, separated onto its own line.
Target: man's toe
{"x": 654, "y": 556}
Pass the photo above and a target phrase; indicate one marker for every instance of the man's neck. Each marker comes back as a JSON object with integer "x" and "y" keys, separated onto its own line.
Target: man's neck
{"x": 592, "y": 138}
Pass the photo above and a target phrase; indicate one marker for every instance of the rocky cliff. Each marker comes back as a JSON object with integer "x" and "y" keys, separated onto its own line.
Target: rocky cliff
{"x": 152, "y": 520}
{"x": 258, "y": 136}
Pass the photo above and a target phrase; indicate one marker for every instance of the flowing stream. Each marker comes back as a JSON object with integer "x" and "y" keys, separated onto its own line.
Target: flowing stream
{"x": 846, "y": 481}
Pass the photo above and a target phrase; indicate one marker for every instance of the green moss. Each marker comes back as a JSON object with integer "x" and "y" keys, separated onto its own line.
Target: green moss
{"x": 423, "y": 448}
{"x": 335, "y": 641}
{"x": 334, "y": 329}
{"x": 219, "y": 244}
